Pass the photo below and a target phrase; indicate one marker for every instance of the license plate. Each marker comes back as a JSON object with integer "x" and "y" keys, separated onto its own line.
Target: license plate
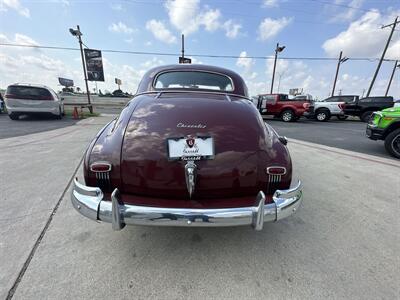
{"x": 190, "y": 148}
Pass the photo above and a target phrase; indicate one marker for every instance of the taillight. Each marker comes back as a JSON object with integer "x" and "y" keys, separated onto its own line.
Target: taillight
{"x": 306, "y": 105}
{"x": 47, "y": 98}
{"x": 10, "y": 96}
{"x": 102, "y": 170}
{"x": 341, "y": 106}
{"x": 276, "y": 170}
{"x": 100, "y": 167}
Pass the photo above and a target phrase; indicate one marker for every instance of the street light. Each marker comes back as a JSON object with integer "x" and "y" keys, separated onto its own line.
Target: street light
{"x": 277, "y": 50}
{"x": 340, "y": 61}
{"x": 77, "y": 33}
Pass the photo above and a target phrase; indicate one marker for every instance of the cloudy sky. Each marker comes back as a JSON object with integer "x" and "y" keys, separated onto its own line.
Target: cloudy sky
{"x": 308, "y": 28}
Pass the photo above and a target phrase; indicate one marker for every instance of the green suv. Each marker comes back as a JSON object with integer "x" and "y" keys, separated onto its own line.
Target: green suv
{"x": 385, "y": 125}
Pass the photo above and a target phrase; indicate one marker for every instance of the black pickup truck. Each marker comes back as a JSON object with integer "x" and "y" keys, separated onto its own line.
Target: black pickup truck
{"x": 364, "y": 107}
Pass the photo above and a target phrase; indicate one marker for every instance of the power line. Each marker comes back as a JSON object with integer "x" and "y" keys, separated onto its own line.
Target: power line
{"x": 227, "y": 12}
{"x": 342, "y": 5}
{"x": 371, "y": 59}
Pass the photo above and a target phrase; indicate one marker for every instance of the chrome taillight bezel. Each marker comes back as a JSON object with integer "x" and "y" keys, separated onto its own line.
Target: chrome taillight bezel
{"x": 102, "y": 163}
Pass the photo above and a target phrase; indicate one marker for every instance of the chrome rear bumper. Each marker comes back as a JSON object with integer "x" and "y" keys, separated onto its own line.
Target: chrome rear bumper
{"x": 89, "y": 202}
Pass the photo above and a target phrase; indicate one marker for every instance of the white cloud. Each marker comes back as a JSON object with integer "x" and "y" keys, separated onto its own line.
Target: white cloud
{"x": 24, "y": 40}
{"x": 151, "y": 63}
{"x": 210, "y": 19}
{"x": 160, "y": 32}
{"x": 196, "y": 61}
{"x": 120, "y": 28}
{"x": 33, "y": 66}
{"x": 19, "y": 38}
{"x": 269, "y": 28}
{"x": 15, "y": 5}
{"x": 364, "y": 37}
{"x": 246, "y": 64}
{"x": 232, "y": 30}
{"x": 350, "y": 12}
{"x": 116, "y": 6}
{"x": 270, "y": 3}
{"x": 63, "y": 2}
{"x": 244, "y": 61}
{"x": 129, "y": 41}
{"x": 183, "y": 14}
{"x": 188, "y": 17}
{"x": 43, "y": 62}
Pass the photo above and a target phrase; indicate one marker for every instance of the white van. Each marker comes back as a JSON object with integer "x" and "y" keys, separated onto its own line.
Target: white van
{"x": 25, "y": 99}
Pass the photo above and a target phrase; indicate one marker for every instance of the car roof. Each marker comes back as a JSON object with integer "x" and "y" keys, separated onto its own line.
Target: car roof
{"x": 146, "y": 85}
{"x": 343, "y": 96}
{"x": 31, "y": 85}
{"x": 268, "y": 94}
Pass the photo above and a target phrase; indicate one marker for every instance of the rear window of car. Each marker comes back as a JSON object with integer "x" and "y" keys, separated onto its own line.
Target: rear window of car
{"x": 28, "y": 93}
{"x": 270, "y": 98}
{"x": 348, "y": 99}
{"x": 193, "y": 80}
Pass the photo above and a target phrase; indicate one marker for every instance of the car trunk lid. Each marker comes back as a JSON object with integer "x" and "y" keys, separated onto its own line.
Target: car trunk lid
{"x": 146, "y": 169}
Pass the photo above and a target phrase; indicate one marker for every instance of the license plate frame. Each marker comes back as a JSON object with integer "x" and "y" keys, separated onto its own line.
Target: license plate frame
{"x": 178, "y": 148}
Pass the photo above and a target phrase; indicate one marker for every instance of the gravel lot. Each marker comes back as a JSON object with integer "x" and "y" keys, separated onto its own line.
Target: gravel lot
{"x": 343, "y": 242}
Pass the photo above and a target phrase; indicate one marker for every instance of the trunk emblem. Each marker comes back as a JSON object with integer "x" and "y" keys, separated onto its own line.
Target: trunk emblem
{"x": 190, "y": 175}
{"x": 190, "y": 141}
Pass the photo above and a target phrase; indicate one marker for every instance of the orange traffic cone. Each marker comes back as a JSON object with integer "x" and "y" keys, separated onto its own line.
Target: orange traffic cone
{"x": 75, "y": 114}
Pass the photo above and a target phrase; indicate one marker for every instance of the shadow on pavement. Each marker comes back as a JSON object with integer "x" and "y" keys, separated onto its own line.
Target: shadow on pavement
{"x": 31, "y": 124}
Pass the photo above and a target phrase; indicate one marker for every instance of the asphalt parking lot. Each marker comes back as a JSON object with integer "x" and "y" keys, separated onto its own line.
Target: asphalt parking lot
{"x": 342, "y": 243}
{"x": 347, "y": 135}
{"x": 30, "y": 124}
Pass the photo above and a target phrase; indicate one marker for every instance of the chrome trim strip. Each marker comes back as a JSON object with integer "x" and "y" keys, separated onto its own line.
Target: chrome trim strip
{"x": 192, "y": 91}
{"x": 89, "y": 202}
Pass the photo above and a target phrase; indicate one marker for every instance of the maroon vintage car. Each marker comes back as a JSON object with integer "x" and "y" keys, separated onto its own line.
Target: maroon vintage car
{"x": 190, "y": 149}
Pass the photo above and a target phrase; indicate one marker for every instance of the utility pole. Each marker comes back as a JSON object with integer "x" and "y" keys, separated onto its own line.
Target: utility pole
{"x": 182, "y": 59}
{"x": 393, "y": 25}
{"x": 391, "y": 76}
{"x": 340, "y": 61}
{"x": 78, "y": 34}
{"x": 277, "y": 49}
{"x": 183, "y": 46}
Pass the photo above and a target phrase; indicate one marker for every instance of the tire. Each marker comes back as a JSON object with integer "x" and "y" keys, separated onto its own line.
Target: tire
{"x": 342, "y": 118}
{"x": 322, "y": 115}
{"x": 392, "y": 143}
{"x": 287, "y": 115}
{"x": 365, "y": 116}
{"x": 60, "y": 115}
{"x": 14, "y": 116}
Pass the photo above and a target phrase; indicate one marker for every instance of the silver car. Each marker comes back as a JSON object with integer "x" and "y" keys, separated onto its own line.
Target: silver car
{"x": 25, "y": 99}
